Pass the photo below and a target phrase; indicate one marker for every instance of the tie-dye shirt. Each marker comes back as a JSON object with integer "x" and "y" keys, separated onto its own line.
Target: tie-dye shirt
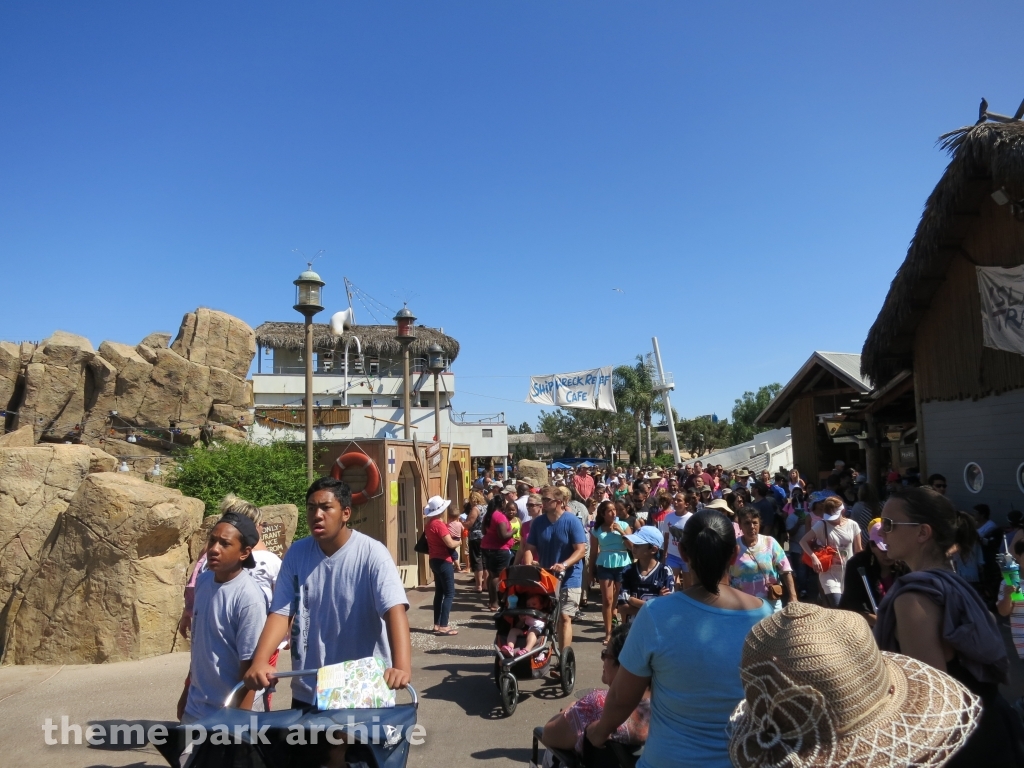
{"x": 754, "y": 564}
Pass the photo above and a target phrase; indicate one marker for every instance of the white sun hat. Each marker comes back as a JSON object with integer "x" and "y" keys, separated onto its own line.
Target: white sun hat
{"x": 435, "y": 506}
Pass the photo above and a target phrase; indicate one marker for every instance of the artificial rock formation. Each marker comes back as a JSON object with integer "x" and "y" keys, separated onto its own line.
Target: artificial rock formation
{"x": 67, "y": 391}
{"x": 107, "y": 585}
{"x": 36, "y": 485}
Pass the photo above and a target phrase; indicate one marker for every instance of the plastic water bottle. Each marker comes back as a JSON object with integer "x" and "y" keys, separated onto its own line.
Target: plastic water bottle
{"x": 513, "y": 600}
{"x": 1011, "y": 575}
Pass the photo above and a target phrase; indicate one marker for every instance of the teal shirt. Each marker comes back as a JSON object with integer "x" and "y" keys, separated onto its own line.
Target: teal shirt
{"x": 691, "y": 651}
{"x": 613, "y": 553}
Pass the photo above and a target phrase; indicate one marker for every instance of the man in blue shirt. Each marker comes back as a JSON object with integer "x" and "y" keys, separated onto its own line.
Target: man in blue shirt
{"x": 558, "y": 542}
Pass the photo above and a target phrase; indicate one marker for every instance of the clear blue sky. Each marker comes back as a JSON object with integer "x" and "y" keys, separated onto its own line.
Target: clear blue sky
{"x": 749, "y": 174}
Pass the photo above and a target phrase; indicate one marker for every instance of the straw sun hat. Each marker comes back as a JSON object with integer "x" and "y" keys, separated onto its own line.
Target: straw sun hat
{"x": 819, "y": 694}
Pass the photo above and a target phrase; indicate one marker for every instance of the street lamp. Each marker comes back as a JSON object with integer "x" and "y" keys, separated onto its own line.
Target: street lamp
{"x": 404, "y": 319}
{"x": 307, "y": 302}
{"x": 435, "y": 364}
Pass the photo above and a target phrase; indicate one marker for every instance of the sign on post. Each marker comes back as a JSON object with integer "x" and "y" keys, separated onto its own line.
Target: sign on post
{"x": 591, "y": 390}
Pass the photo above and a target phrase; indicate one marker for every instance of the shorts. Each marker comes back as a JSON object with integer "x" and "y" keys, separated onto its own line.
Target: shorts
{"x": 496, "y": 561}
{"x": 610, "y": 574}
{"x": 476, "y": 558}
{"x": 569, "y": 600}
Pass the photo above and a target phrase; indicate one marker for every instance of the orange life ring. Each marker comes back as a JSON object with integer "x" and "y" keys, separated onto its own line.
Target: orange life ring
{"x": 354, "y": 459}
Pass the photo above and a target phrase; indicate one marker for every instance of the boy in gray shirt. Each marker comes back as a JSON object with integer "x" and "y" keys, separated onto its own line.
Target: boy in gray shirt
{"x": 345, "y": 595}
{"x": 229, "y": 614}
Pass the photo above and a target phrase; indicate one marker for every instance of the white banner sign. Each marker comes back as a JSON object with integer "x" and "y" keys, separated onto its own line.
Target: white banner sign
{"x": 580, "y": 389}
{"x": 1002, "y": 307}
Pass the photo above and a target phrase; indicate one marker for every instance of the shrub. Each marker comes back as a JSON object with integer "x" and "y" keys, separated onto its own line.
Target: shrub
{"x": 262, "y": 474}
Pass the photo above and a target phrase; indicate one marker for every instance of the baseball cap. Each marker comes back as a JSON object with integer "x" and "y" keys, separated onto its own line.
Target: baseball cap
{"x": 509, "y": 489}
{"x": 647, "y": 534}
{"x": 247, "y": 529}
{"x": 875, "y": 534}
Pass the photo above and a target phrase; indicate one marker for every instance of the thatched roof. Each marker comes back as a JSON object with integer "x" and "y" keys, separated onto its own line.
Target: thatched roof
{"x": 376, "y": 340}
{"x": 985, "y": 157}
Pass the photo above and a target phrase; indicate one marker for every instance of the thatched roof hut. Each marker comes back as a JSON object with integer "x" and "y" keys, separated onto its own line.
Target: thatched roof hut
{"x": 376, "y": 340}
{"x": 985, "y": 157}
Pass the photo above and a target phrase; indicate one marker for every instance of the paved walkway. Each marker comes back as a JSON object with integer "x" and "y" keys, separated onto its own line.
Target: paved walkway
{"x": 459, "y": 705}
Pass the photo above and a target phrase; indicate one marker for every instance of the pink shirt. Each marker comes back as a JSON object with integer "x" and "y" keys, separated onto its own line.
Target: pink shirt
{"x": 492, "y": 536}
{"x": 584, "y": 485}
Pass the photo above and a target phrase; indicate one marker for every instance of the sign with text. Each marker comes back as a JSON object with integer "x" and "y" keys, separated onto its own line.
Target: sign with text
{"x": 273, "y": 537}
{"x": 580, "y": 389}
{"x": 1002, "y": 307}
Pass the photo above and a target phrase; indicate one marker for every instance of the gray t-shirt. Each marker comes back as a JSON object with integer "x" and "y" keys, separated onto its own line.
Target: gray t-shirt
{"x": 338, "y": 603}
{"x": 226, "y": 625}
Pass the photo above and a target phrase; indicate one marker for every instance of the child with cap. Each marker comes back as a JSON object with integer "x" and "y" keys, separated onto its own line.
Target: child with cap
{"x": 228, "y": 617}
{"x": 646, "y": 578}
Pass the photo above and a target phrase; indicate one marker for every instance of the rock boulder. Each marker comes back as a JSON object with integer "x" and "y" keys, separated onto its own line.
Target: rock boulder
{"x": 55, "y": 385}
{"x": 108, "y": 583}
{"x": 36, "y": 485}
{"x": 536, "y": 472}
{"x": 157, "y": 340}
{"x": 23, "y": 437}
{"x": 216, "y": 339}
{"x": 10, "y": 369}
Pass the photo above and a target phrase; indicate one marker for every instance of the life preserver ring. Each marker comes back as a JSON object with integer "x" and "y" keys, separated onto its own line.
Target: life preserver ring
{"x": 354, "y": 459}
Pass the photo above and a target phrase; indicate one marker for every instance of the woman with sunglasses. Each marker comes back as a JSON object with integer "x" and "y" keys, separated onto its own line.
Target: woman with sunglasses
{"x": 934, "y": 616}
{"x": 836, "y": 530}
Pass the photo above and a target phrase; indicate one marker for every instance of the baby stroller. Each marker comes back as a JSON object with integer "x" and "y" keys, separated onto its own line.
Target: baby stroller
{"x": 521, "y": 582}
{"x": 381, "y": 735}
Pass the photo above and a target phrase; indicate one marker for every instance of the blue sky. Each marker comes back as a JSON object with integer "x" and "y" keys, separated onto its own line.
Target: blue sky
{"x": 749, "y": 174}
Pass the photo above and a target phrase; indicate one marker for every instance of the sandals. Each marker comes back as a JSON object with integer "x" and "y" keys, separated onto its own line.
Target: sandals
{"x": 446, "y": 632}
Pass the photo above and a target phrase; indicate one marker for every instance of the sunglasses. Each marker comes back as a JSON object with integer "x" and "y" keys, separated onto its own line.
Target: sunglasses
{"x": 547, "y": 498}
{"x": 888, "y": 524}
{"x": 605, "y": 654}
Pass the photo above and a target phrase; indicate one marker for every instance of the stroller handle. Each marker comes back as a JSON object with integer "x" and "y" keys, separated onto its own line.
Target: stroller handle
{"x": 230, "y": 700}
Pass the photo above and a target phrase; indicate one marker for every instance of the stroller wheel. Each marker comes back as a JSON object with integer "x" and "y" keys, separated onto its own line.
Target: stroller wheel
{"x": 567, "y": 670}
{"x": 509, "y": 693}
{"x": 497, "y": 674}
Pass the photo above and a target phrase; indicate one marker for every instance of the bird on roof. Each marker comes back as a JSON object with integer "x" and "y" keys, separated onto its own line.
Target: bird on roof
{"x": 982, "y": 110}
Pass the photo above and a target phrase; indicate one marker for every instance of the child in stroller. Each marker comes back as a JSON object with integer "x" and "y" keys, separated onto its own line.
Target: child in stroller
{"x": 528, "y": 616}
{"x": 530, "y": 626}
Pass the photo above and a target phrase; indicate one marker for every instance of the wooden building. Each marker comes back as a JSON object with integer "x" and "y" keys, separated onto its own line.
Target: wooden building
{"x": 968, "y": 414}
{"x": 410, "y": 473}
{"x": 823, "y": 390}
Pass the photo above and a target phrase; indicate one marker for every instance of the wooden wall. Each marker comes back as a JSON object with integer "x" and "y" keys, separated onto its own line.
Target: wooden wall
{"x": 950, "y": 362}
{"x": 803, "y": 427}
{"x": 987, "y": 432}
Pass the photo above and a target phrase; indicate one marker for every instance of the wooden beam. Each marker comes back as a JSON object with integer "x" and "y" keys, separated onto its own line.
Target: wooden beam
{"x": 389, "y": 421}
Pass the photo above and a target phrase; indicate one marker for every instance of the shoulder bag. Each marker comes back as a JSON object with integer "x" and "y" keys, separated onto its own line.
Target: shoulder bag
{"x": 824, "y": 552}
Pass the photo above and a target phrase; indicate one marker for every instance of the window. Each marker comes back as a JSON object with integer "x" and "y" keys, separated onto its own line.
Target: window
{"x": 335, "y": 402}
{"x": 396, "y": 403}
{"x": 366, "y": 403}
{"x": 974, "y": 478}
{"x": 488, "y": 432}
{"x": 424, "y": 402}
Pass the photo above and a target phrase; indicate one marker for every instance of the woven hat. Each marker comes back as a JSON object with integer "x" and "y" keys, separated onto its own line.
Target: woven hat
{"x": 819, "y": 694}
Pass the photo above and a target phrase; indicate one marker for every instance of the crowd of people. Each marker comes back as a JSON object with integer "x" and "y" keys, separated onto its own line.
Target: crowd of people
{"x": 765, "y": 543}
{"x": 728, "y": 603}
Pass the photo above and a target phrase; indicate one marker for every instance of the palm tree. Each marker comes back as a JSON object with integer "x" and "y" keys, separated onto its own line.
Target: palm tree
{"x": 634, "y": 394}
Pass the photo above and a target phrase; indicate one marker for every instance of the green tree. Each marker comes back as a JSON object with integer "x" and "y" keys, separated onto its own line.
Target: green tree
{"x": 512, "y": 429}
{"x": 585, "y": 432}
{"x": 633, "y": 386}
{"x": 524, "y": 429}
{"x": 703, "y": 435}
{"x": 262, "y": 474}
{"x": 748, "y": 408}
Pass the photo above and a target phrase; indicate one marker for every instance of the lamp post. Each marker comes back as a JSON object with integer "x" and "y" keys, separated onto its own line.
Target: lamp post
{"x": 404, "y": 319}
{"x": 435, "y": 364}
{"x": 308, "y": 303}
